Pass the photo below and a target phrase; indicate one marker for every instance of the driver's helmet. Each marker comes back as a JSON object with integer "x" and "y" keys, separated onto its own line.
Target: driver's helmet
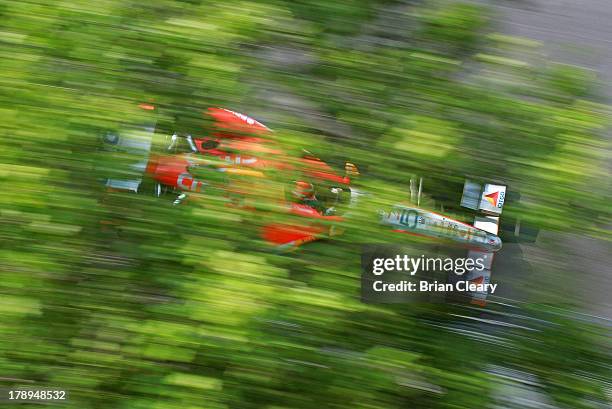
{"x": 303, "y": 191}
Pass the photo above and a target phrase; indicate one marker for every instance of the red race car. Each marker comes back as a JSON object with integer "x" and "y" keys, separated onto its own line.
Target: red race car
{"x": 238, "y": 159}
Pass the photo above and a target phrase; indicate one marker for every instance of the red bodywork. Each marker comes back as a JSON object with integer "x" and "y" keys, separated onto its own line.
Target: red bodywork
{"x": 242, "y": 145}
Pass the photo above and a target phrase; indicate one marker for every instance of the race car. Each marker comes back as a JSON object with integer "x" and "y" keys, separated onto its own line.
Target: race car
{"x": 240, "y": 160}
{"x": 236, "y": 160}
{"x": 239, "y": 154}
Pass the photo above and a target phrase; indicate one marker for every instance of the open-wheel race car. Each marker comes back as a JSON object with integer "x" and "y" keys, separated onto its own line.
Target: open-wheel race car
{"x": 237, "y": 158}
{"x": 240, "y": 160}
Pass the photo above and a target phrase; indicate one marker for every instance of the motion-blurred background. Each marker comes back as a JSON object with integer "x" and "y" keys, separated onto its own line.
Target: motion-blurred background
{"x": 128, "y": 301}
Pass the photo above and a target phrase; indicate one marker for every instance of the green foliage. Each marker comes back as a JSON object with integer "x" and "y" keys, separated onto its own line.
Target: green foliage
{"x": 456, "y": 25}
{"x": 573, "y": 81}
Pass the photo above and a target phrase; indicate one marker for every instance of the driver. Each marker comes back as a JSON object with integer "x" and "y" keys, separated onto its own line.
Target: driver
{"x": 304, "y": 193}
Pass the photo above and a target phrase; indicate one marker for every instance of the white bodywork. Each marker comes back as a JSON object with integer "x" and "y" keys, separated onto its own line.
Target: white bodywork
{"x": 422, "y": 222}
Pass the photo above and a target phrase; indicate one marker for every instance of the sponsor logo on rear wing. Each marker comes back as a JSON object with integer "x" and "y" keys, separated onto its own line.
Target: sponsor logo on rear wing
{"x": 488, "y": 199}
